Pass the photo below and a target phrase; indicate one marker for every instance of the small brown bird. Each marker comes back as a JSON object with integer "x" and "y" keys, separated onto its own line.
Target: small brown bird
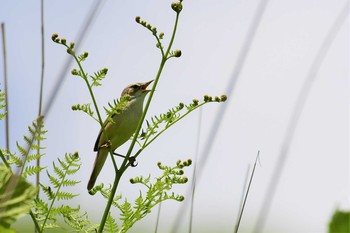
{"x": 121, "y": 129}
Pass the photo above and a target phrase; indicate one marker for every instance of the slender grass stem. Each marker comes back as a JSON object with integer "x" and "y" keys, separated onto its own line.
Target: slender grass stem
{"x": 7, "y": 134}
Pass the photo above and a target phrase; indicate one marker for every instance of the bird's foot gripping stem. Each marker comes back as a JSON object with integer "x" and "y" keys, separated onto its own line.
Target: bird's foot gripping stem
{"x": 132, "y": 159}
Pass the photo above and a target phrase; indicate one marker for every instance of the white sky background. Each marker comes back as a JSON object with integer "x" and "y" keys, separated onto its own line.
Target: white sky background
{"x": 315, "y": 180}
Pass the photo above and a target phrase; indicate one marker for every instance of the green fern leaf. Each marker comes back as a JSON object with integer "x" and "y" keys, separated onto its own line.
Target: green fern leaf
{"x": 32, "y": 170}
{"x": 65, "y": 195}
{"x": 111, "y": 224}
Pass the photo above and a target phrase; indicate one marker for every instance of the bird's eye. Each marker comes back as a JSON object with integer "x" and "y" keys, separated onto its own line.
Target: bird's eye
{"x": 135, "y": 87}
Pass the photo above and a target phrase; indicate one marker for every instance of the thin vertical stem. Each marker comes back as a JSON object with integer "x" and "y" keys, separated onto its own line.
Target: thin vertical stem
{"x": 246, "y": 195}
{"x": 158, "y": 217}
{"x": 195, "y": 169}
{"x": 37, "y": 180}
{"x": 7, "y": 137}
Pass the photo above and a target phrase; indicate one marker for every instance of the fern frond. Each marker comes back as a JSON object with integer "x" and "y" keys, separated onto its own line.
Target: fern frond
{"x": 2, "y": 104}
{"x": 157, "y": 191}
{"x": 158, "y": 124}
{"x": 78, "y": 221}
{"x": 98, "y": 77}
{"x": 32, "y": 170}
{"x": 116, "y": 107}
{"x": 65, "y": 195}
{"x": 13, "y": 159}
{"x": 58, "y": 179}
{"x": 111, "y": 224}
{"x": 85, "y": 108}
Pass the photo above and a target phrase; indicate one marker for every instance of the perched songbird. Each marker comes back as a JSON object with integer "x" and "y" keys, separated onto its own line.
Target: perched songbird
{"x": 120, "y": 129}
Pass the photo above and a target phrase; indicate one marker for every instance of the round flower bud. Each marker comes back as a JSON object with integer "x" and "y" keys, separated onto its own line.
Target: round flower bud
{"x": 74, "y": 72}
{"x": 138, "y": 19}
{"x": 176, "y": 6}
{"x": 54, "y": 36}
{"x": 223, "y": 98}
{"x": 177, "y": 53}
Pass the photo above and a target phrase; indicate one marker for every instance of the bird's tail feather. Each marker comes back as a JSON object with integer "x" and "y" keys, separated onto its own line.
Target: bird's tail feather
{"x": 99, "y": 162}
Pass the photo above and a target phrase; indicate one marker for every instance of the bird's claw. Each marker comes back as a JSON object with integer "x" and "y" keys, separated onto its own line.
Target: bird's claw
{"x": 132, "y": 161}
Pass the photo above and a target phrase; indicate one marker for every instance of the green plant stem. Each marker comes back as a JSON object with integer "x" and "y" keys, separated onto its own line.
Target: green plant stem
{"x": 96, "y": 108}
{"x": 4, "y": 159}
{"x": 125, "y": 162}
{"x": 161, "y": 66}
{"x": 110, "y": 200}
{"x": 147, "y": 143}
{"x": 54, "y": 198}
{"x": 37, "y": 226}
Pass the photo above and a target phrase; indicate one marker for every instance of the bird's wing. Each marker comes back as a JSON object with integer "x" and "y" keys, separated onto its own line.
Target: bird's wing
{"x": 105, "y": 125}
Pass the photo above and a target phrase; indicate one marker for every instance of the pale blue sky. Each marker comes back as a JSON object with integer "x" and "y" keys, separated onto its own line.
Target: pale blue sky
{"x": 211, "y": 34}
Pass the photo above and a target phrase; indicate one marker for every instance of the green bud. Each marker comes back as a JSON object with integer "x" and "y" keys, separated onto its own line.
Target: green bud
{"x": 223, "y": 98}
{"x": 54, "y": 37}
{"x": 86, "y": 54}
{"x": 161, "y": 35}
{"x": 181, "y": 198}
{"x": 185, "y": 179}
{"x": 189, "y": 162}
{"x": 76, "y": 155}
{"x": 195, "y": 102}
{"x": 74, "y": 72}
{"x": 217, "y": 99}
{"x": 63, "y": 41}
{"x": 177, "y": 53}
{"x": 181, "y": 172}
{"x": 71, "y": 45}
{"x": 181, "y": 105}
{"x": 206, "y": 98}
{"x": 138, "y": 19}
{"x": 176, "y": 6}
{"x": 105, "y": 70}
{"x": 149, "y": 26}
{"x": 132, "y": 181}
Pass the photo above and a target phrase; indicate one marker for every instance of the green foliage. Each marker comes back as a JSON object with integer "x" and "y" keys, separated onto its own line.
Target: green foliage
{"x": 84, "y": 108}
{"x": 160, "y": 190}
{"x": 98, "y": 77}
{"x": 111, "y": 224}
{"x": 16, "y": 198}
{"x": 340, "y": 222}
{"x": 158, "y": 124}
{"x": 116, "y": 107}
{"x": 2, "y": 105}
{"x": 33, "y": 144}
{"x": 156, "y": 192}
{"x": 46, "y": 213}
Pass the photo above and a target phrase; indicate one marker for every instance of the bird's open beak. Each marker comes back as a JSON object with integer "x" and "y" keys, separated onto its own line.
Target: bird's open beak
{"x": 145, "y": 85}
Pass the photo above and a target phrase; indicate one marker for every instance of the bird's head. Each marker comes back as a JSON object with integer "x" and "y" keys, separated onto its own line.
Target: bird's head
{"x": 136, "y": 89}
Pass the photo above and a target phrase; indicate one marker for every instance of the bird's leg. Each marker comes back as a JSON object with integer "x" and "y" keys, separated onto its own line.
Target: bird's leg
{"x": 132, "y": 159}
{"x": 115, "y": 153}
